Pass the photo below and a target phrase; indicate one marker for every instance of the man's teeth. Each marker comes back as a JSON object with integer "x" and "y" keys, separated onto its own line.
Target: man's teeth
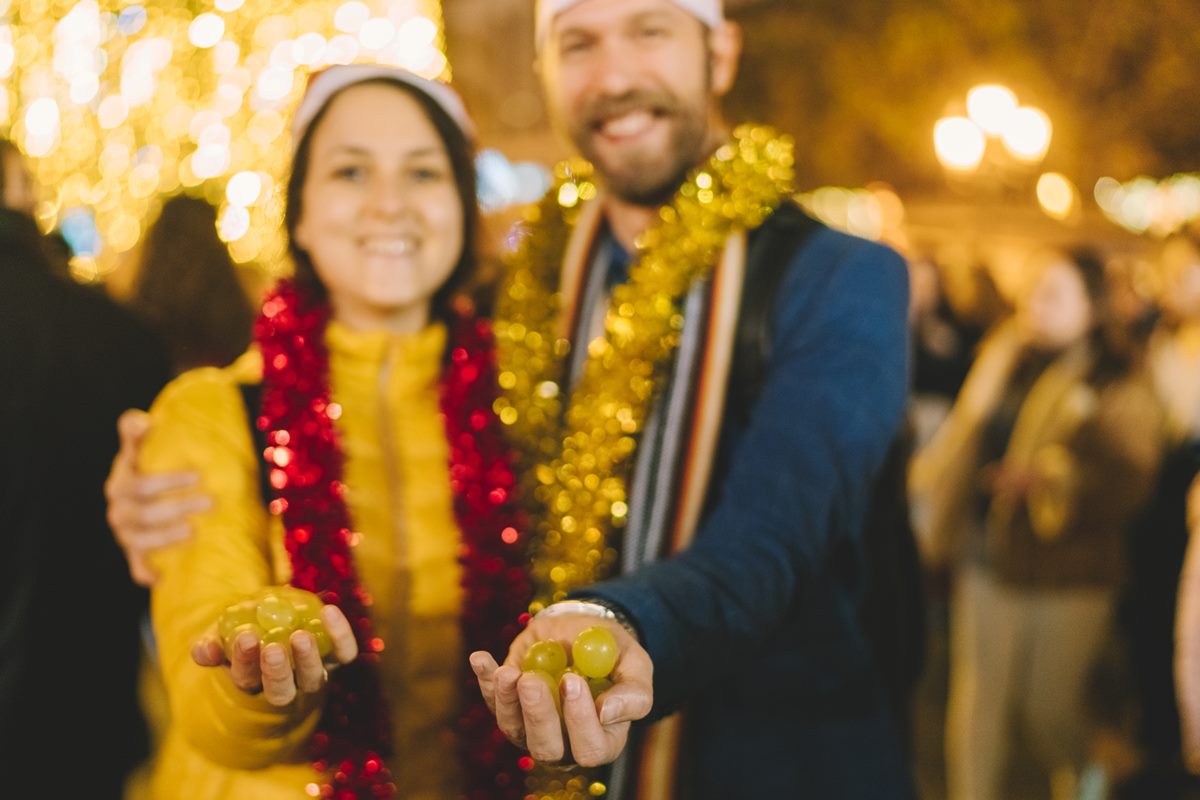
{"x": 390, "y": 247}
{"x": 629, "y": 124}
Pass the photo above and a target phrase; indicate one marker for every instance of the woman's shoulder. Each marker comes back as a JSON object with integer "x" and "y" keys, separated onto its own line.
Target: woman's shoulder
{"x": 207, "y": 398}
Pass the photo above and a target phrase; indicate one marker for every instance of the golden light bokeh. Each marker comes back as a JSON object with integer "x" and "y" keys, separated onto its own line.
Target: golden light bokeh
{"x": 119, "y": 103}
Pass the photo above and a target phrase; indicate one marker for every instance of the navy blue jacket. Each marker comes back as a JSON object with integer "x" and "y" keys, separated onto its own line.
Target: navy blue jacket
{"x": 754, "y": 630}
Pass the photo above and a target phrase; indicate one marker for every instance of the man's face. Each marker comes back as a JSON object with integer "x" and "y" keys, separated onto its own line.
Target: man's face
{"x": 634, "y": 84}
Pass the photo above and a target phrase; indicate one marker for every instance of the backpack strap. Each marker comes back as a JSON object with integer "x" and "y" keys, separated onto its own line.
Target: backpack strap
{"x": 252, "y": 398}
{"x": 773, "y": 245}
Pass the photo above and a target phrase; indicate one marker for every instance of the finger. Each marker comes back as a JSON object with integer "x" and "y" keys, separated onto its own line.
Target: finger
{"x": 144, "y": 539}
{"x": 150, "y": 486}
{"x": 155, "y": 511}
{"x": 208, "y": 652}
{"x": 485, "y": 668}
{"x": 139, "y": 569}
{"x": 345, "y": 645}
{"x": 625, "y": 702}
{"x": 310, "y": 672}
{"x": 132, "y": 427}
{"x": 244, "y": 666}
{"x": 278, "y": 682}
{"x": 543, "y": 727}
{"x": 508, "y": 704}
{"x": 592, "y": 744}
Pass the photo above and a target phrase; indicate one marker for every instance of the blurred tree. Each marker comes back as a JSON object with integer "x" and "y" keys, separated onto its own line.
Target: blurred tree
{"x": 861, "y": 84}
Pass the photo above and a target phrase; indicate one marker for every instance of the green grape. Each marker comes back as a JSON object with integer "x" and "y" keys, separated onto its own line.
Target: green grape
{"x": 276, "y": 612}
{"x": 278, "y": 635}
{"x": 305, "y": 603}
{"x": 595, "y": 652}
{"x": 551, "y": 684}
{"x": 548, "y": 656}
{"x": 235, "y": 616}
{"x": 599, "y": 686}
{"x": 317, "y": 629}
{"x": 253, "y": 627}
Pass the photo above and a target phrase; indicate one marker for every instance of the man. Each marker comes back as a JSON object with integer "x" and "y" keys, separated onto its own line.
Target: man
{"x": 71, "y": 361}
{"x": 753, "y": 629}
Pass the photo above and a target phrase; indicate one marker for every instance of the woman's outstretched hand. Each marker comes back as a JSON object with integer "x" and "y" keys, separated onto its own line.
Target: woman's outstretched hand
{"x": 280, "y": 671}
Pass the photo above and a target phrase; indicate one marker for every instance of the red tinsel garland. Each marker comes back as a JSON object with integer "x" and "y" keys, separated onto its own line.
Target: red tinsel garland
{"x": 306, "y": 469}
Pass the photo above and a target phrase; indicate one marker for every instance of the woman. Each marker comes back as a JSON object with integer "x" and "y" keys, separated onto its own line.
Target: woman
{"x": 1049, "y": 450}
{"x": 187, "y": 287}
{"x": 386, "y": 470}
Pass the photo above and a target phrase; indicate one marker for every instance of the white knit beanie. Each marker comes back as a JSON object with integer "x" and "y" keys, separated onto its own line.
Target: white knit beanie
{"x": 323, "y": 85}
{"x": 707, "y": 11}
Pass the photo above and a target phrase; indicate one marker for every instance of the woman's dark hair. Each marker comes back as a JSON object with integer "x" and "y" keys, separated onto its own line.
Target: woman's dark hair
{"x": 187, "y": 287}
{"x": 462, "y": 162}
{"x": 1116, "y": 348}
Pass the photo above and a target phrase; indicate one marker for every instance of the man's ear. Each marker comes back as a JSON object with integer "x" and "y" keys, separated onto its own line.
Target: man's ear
{"x": 725, "y": 44}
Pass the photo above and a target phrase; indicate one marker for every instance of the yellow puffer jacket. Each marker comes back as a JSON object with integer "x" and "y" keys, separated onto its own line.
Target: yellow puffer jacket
{"x": 223, "y": 743}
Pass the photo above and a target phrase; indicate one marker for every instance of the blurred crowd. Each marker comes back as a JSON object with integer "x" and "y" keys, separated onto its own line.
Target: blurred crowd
{"x": 1058, "y": 429}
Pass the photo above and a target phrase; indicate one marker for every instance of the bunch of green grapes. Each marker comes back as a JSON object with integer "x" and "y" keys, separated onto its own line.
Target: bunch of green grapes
{"x": 272, "y": 615}
{"x": 593, "y": 657}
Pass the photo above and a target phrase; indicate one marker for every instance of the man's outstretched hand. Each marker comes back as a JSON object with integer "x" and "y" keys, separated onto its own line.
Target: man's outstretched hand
{"x": 590, "y": 732}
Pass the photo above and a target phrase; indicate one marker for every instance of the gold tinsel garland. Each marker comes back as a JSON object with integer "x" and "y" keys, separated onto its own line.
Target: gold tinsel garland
{"x": 581, "y": 458}
{"x": 577, "y": 463}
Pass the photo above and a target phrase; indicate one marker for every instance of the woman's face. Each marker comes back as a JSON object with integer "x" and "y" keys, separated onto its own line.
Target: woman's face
{"x": 1056, "y": 311}
{"x": 380, "y": 216}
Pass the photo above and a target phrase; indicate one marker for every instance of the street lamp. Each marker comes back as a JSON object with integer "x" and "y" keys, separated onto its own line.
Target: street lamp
{"x": 964, "y": 144}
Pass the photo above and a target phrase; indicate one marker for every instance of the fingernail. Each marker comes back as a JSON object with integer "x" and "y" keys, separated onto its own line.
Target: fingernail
{"x": 571, "y": 686}
{"x": 610, "y": 712}
{"x": 302, "y": 644}
{"x": 274, "y": 656}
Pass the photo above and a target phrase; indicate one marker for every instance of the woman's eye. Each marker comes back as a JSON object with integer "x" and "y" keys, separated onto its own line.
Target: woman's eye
{"x": 428, "y": 174}
{"x": 349, "y": 173}
{"x": 652, "y": 33}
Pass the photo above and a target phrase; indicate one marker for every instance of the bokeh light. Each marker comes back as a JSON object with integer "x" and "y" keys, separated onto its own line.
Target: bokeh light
{"x": 1027, "y": 134}
{"x": 1057, "y": 195}
{"x": 959, "y": 143}
{"x": 1145, "y": 205}
{"x": 990, "y": 106}
{"x": 118, "y": 103}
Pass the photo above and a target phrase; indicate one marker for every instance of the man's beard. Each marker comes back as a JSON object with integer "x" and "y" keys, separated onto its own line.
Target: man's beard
{"x": 645, "y": 178}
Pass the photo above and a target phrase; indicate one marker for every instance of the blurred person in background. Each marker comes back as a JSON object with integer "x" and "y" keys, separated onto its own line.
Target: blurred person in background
{"x": 187, "y": 288}
{"x": 71, "y": 361}
{"x": 1159, "y": 537}
{"x": 1050, "y": 449}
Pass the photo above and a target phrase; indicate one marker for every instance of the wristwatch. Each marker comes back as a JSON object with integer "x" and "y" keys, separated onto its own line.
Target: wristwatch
{"x": 591, "y": 608}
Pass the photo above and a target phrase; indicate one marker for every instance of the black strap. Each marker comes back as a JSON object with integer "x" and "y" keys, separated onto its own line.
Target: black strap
{"x": 773, "y": 246}
{"x": 252, "y": 398}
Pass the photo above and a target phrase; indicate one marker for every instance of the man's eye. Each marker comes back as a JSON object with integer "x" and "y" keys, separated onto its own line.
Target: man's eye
{"x": 574, "y": 47}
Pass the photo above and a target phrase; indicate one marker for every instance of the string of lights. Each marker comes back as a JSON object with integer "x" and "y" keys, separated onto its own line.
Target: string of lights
{"x": 118, "y": 103}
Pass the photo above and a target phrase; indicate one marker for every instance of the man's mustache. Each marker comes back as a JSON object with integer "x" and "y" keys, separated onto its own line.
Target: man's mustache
{"x": 604, "y": 108}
